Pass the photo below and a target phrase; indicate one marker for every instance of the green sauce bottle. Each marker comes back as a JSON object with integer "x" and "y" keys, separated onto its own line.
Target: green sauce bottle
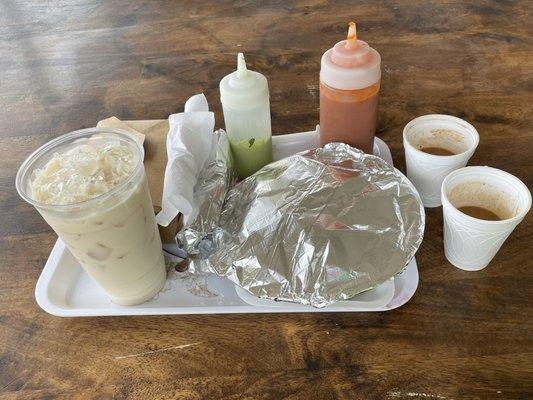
{"x": 245, "y": 103}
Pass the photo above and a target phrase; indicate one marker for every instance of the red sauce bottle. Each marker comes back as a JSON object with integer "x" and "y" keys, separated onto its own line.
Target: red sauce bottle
{"x": 350, "y": 77}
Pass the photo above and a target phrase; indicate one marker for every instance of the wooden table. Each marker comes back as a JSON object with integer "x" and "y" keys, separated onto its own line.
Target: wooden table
{"x": 464, "y": 335}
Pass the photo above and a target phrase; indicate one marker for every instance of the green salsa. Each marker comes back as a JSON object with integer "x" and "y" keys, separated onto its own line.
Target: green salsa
{"x": 250, "y": 155}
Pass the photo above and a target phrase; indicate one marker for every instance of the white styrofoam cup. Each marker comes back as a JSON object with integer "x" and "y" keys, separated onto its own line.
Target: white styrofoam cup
{"x": 471, "y": 243}
{"x": 427, "y": 171}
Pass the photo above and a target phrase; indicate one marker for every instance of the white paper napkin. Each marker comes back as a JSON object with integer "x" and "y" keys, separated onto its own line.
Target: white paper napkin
{"x": 191, "y": 143}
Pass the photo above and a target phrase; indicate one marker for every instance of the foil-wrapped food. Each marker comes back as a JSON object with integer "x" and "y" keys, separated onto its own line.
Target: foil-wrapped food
{"x": 209, "y": 194}
{"x": 315, "y": 228}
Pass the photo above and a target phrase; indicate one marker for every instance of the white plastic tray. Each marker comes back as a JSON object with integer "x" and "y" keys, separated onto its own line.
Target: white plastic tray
{"x": 64, "y": 288}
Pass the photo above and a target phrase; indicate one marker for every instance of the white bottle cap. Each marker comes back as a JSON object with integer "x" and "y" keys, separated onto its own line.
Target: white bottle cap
{"x": 243, "y": 89}
{"x": 351, "y": 64}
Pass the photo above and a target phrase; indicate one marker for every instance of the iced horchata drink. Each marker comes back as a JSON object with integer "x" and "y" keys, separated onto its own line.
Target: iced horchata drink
{"x": 91, "y": 188}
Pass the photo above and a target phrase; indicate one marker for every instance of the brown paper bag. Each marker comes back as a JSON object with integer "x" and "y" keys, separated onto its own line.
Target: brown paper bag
{"x": 154, "y": 134}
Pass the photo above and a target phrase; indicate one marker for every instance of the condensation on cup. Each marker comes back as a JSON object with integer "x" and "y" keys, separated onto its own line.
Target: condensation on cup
{"x": 91, "y": 187}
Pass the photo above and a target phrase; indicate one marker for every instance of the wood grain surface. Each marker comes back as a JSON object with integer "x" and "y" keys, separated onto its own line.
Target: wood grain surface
{"x": 64, "y": 65}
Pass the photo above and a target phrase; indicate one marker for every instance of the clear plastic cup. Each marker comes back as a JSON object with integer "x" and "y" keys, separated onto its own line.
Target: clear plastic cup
{"x": 471, "y": 243}
{"x": 427, "y": 171}
{"x": 114, "y": 236}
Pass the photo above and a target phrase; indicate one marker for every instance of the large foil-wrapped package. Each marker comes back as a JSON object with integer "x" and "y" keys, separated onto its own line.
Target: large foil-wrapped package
{"x": 317, "y": 227}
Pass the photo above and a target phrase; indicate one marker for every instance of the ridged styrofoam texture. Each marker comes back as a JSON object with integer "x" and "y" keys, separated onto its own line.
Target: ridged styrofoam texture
{"x": 471, "y": 243}
{"x": 427, "y": 171}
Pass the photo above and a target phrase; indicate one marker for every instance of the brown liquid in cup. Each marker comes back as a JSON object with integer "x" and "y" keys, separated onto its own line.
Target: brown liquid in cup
{"x": 437, "y": 151}
{"x": 479, "y": 213}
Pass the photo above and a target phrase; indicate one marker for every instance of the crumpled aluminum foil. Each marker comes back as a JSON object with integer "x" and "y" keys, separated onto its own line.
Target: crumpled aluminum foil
{"x": 209, "y": 193}
{"x": 314, "y": 228}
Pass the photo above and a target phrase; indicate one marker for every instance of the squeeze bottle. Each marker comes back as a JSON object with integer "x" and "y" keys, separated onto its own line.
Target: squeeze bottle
{"x": 245, "y": 104}
{"x": 350, "y": 75}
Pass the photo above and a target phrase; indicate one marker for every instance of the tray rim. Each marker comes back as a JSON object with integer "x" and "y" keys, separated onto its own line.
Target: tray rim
{"x": 404, "y": 289}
